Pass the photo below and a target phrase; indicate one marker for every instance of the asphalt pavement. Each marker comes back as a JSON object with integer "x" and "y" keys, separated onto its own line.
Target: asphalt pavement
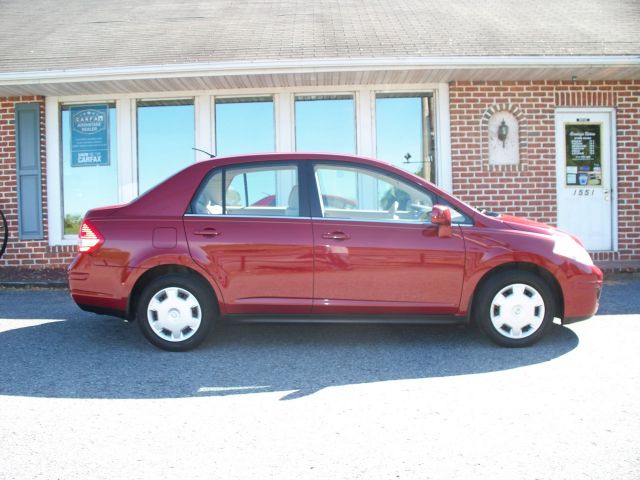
{"x": 85, "y": 396}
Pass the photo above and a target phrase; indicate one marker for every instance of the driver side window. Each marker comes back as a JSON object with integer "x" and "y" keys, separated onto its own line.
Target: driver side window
{"x": 359, "y": 193}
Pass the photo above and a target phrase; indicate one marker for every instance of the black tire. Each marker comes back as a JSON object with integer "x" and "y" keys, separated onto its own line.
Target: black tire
{"x": 176, "y": 312}
{"x": 4, "y": 233}
{"x": 514, "y": 308}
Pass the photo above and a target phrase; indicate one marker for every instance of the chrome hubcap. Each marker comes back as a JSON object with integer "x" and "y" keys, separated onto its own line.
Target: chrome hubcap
{"x": 174, "y": 314}
{"x": 517, "y": 311}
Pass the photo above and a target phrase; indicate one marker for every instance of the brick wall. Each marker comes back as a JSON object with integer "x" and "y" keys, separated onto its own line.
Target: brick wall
{"x": 24, "y": 254}
{"x": 529, "y": 189}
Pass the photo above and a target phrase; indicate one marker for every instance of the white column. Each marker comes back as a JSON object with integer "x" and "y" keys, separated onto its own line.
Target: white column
{"x": 127, "y": 149}
{"x": 285, "y": 126}
{"x": 365, "y": 127}
{"x": 444, "y": 173}
{"x": 54, "y": 174}
{"x": 205, "y": 132}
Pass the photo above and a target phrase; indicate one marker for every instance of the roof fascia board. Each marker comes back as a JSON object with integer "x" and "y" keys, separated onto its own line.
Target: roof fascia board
{"x": 309, "y": 66}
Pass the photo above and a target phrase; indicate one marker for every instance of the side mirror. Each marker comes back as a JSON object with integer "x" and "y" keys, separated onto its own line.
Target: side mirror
{"x": 441, "y": 216}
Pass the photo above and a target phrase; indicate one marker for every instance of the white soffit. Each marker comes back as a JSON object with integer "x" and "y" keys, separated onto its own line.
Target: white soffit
{"x": 311, "y": 73}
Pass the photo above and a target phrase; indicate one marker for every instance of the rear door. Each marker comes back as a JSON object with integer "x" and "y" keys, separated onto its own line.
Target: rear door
{"x": 375, "y": 248}
{"x": 254, "y": 237}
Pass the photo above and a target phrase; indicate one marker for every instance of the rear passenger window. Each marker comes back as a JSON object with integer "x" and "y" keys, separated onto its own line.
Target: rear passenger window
{"x": 266, "y": 191}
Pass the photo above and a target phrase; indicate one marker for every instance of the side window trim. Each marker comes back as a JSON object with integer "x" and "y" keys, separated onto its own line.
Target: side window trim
{"x": 223, "y": 194}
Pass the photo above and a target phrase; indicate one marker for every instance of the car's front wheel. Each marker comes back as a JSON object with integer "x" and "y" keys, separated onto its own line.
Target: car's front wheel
{"x": 176, "y": 312}
{"x": 514, "y": 308}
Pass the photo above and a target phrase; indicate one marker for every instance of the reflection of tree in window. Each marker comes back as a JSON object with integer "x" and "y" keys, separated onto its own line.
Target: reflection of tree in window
{"x": 392, "y": 195}
{"x": 405, "y": 132}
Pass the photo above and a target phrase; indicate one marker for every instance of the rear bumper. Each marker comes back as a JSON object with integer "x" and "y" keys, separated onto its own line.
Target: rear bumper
{"x": 582, "y": 295}
{"x": 93, "y": 288}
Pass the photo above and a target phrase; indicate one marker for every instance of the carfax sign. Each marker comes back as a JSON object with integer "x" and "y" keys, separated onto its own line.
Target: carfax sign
{"x": 89, "y": 135}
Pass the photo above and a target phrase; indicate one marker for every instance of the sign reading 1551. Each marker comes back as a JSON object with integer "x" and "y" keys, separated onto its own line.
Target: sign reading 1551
{"x": 89, "y": 135}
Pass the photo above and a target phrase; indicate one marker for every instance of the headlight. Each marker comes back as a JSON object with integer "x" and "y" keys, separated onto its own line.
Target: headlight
{"x": 567, "y": 247}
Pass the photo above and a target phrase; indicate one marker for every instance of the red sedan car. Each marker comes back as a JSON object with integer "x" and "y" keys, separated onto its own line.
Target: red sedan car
{"x": 202, "y": 247}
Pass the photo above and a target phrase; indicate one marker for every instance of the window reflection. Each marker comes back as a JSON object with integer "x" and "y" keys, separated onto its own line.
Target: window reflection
{"x": 244, "y": 125}
{"x": 90, "y": 186}
{"x": 364, "y": 194}
{"x": 404, "y": 126}
{"x": 325, "y": 123}
{"x": 252, "y": 191}
{"x": 166, "y": 137}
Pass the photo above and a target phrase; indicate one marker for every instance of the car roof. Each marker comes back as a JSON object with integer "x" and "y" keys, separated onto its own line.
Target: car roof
{"x": 174, "y": 194}
{"x": 277, "y": 156}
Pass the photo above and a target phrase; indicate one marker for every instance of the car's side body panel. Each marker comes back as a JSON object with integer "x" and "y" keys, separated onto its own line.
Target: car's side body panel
{"x": 384, "y": 268}
{"x": 261, "y": 265}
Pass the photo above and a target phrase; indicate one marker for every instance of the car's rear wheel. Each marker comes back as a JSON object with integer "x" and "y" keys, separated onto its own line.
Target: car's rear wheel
{"x": 514, "y": 308}
{"x": 176, "y": 312}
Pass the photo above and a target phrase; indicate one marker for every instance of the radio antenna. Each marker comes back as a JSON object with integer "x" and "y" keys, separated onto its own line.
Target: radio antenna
{"x": 211, "y": 155}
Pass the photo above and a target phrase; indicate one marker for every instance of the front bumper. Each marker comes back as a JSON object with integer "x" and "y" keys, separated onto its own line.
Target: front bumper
{"x": 582, "y": 295}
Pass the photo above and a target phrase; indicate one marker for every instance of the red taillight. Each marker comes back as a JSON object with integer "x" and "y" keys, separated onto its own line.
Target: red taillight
{"x": 89, "y": 239}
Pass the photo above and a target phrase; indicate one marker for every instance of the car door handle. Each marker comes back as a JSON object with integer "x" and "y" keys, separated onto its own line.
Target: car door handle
{"x": 336, "y": 236}
{"x": 207, "y": 232}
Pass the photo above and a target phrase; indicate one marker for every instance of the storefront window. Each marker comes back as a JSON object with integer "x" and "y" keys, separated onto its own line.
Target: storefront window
{"x": 89, "y": 161}
{"x": 166, "y": 138}
{"x": 325, "y": 123}
{"x": 404, "y": 132}
{"x": 244, "y": 125}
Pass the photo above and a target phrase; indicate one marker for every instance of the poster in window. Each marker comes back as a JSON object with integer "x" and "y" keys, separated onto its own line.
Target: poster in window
{"x": 583, "y": 160}
{"x": 89, "y": 135}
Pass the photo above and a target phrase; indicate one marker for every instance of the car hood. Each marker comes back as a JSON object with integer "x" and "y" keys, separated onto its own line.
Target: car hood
{"x": 524, "y": 224}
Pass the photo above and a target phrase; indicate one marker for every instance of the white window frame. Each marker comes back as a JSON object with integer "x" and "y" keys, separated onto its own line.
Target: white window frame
{"x": 204, "y": 103}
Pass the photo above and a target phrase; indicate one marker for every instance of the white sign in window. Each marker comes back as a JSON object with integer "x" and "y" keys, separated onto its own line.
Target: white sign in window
{"x": 91, "y": 185}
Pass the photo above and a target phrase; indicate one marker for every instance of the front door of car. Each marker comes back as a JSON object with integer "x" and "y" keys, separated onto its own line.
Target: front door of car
{"x": 255, "y": 240}
{"x": 375, "y": 249}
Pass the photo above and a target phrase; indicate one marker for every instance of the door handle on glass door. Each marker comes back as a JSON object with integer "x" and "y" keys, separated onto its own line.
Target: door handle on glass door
{"x": 207, "y": 232}
{"x": 336, "y": 236}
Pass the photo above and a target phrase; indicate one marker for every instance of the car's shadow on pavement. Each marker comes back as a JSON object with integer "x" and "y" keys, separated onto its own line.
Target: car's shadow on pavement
{"x": 87, "y": 356}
